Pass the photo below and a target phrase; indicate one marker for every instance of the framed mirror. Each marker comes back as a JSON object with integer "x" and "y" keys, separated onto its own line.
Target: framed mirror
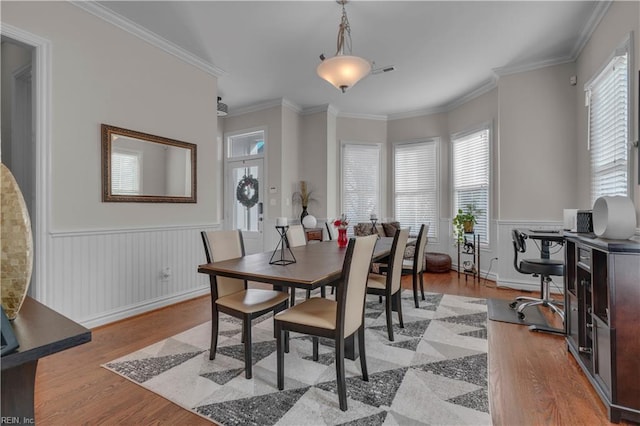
{"x": 139, "y": 167}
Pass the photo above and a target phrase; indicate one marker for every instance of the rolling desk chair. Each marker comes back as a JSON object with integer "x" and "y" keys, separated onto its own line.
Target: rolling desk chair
{"x": 545, "y": 268}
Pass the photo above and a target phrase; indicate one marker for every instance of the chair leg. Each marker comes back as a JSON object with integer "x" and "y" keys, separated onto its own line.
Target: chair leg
{"x": 293, "y": 297}
{"x": 323, "y": 291}
{"x": 363, "y": 357}
{"x": 246, "y": 324}
{"x": 340, "y": 378}
{"x": 398, "y": 296}
{"x": 422, "y": 284}
{"x": 308, "y": 294}
{"x": 315, "y": 348}
{"x": 286, "y": 342}
{"x": 214, "y": 332}
{"x": 388, "y": 311}
{"x": 280, "y": 354}
{"x": 415, "y": 290}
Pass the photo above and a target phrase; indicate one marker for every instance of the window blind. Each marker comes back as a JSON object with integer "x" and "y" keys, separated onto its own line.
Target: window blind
{"x": 608, "y": 129}
{"x": 125, "y": 173}
{"x": 416, "y": 186}
{"x": 360, "y": 181}
{"x": 470, "y": 155}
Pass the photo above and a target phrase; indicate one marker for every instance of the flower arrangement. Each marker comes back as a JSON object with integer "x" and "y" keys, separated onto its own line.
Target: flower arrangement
{"x": 341, "y": 222}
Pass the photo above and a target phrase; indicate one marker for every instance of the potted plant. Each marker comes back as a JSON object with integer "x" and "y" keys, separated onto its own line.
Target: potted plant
{"x": 464, "y": 221}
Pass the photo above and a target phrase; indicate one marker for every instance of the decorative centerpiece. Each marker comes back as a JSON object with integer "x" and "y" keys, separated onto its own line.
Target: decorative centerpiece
{"x": 342, "y": 223}
{"x": 304, "y": 198}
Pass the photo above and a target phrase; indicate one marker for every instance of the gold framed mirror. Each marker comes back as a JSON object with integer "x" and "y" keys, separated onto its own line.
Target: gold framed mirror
{"x": 139, "y": 167}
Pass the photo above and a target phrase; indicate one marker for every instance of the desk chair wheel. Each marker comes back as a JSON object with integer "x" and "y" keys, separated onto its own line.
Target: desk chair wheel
{"x": 513, "y": 305}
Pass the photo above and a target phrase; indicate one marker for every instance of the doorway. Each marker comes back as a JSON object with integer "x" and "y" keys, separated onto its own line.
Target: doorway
{"x": 244, "y": 186}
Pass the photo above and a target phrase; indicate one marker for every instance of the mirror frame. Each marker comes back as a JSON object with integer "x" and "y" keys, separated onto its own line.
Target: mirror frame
{"x": 107, "y": 133}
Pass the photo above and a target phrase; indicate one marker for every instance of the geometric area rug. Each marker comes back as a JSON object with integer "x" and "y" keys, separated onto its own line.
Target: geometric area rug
{"x": 434, "y": 373}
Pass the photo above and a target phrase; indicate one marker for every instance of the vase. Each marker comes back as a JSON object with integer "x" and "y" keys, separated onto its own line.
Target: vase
{"x": 17, "y": 245}
{"x": 342, "y": 237}
{"x": 304, "y": 213}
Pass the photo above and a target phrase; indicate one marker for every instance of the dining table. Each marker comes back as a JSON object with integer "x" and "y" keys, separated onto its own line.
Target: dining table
{"x": 316, "y": 266}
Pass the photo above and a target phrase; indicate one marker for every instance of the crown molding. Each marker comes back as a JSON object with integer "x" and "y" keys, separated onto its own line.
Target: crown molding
{"x": 363, "y": 116}
{"x": 131, "y": 27}
{"x": 281, "y": 102}
{"x": 321, "y": 108}
{"x": 598, "y": 13}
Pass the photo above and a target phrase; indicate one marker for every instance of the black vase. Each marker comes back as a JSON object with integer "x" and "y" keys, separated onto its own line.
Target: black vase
{"x": 304, "y": 213}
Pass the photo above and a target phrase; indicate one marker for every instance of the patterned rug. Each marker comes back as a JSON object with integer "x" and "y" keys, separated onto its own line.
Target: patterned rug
{"x": 434, "y": 373}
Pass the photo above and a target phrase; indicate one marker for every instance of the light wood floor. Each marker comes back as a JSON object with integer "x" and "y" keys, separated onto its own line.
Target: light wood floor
{"x": 533, "y": 380}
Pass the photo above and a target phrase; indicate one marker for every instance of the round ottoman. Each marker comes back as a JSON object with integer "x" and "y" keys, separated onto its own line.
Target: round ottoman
{"x": 438, "y": 262}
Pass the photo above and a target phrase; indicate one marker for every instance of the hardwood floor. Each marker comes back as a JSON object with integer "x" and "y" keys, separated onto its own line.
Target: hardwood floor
{"x": 533, "y": 380}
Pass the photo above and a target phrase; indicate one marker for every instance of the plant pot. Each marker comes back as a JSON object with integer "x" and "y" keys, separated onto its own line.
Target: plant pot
{"x": 304, "y": 213}
{"x": 468, "y": 226}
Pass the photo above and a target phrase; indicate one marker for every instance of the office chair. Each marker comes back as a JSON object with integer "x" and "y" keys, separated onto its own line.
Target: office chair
{"x": 545, "y": 268}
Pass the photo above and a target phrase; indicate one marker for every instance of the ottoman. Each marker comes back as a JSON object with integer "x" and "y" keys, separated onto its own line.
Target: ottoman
{"x": 438, "y": 262}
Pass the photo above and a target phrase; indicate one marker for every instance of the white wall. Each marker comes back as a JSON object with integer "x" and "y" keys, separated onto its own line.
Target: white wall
{"x": 102, "y": 74}
{"x": 314, "y": 154}
{"x": 537, "y": 144}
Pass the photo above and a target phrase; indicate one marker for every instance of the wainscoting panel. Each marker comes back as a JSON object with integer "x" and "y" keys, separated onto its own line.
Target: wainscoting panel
{"x": 99, "y": 277}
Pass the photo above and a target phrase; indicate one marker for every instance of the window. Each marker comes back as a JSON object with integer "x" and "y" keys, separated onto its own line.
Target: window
{"x": 608, "y": 101}
{"x": 246, "y": 144}
{"x": 470, "y": 153}
{"x": 360, "y": 181}
{"x": 415, "y": 177}
{"x": 125, "y": 172}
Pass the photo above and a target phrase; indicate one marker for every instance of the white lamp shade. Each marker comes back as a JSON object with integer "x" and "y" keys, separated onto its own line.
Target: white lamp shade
{"x": 344, "y": 71}
{"x": 309, "y": 221}
{"x": 614, "y": 218}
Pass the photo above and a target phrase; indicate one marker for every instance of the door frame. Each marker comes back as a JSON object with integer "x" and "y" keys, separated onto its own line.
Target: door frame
{"x": 226, "y": 170}
{"x": 41, "y": 98}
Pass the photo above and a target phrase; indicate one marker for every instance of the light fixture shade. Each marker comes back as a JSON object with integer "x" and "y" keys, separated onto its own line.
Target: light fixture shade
{"x": 344, "y": 71}
{"x": 222, "y": 108}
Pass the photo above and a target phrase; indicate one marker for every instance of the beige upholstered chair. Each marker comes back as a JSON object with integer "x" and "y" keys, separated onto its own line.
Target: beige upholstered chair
{"x": 389, "y": 285}
{"x": 231, "y": 295}
{"x": 296, "y": 236}
{"x": 415, "y": 266}
{"x": 335, "y": 319}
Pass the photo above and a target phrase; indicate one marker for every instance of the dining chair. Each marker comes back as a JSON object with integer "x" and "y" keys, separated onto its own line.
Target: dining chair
{"x": 388, "y": 285}
{"x": 296, "y": 236}
{"x": 334, "y": 319}
{"x": 415, "y": 265}
{"x": 231, "y": 296}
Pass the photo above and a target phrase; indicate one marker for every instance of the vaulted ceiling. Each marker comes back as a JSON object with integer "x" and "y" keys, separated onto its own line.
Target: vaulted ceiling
{"x": 443, "y": 51}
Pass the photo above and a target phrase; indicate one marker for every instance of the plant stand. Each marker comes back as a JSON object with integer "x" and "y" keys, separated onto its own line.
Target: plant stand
{"x": 469, "y": 256}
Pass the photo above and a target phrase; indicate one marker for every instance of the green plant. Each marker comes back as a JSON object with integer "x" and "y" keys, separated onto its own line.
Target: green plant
{"x": 464, "y": 221}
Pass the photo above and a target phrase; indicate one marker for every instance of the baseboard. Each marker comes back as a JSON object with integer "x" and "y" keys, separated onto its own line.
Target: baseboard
{"x": 140, "y": 308}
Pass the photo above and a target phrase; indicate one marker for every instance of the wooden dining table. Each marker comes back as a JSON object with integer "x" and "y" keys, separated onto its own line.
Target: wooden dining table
{"x": 316, "y": 265}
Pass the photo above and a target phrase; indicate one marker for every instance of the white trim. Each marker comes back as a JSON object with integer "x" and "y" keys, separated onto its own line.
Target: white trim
{"x": 140, "y": 308}
{"x": 41, "y": 79}
{"x": 131, "y": 27}
{"x": 362, "y": 116}
{"x": 281, "y": 102}
{"x": 136, "y": 230}
{"x": 599, "y": 11}
{"x": 502, "y": 71}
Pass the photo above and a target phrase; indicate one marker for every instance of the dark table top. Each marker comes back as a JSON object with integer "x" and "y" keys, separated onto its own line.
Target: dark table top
{"x": 41, "y": 331}
{"x": 316, "y": 265}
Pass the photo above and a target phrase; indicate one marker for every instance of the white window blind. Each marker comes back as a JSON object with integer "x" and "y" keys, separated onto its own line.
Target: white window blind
{"x": 608, "y": 129}
{"x": 360, "y": 181}
{"x": 125, "y": 173}
{"x": 416, "y": 186}
{"x": 471, "y": 177}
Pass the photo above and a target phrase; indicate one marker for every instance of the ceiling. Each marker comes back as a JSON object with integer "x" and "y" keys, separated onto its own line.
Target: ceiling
{"x": 443, "y": 51}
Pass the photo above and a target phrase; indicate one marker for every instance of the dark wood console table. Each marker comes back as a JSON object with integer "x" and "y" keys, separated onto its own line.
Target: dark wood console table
{"x": 602, "y": 305}
{"x": 40, "y": 332}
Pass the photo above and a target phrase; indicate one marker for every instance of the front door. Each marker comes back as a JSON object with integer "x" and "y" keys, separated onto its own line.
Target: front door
{"x": 244, "y": 201}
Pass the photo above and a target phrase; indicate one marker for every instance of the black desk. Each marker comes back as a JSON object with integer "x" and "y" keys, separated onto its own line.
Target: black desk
{"x": 546, "y": 238}
{"x": 40, "y": 332}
